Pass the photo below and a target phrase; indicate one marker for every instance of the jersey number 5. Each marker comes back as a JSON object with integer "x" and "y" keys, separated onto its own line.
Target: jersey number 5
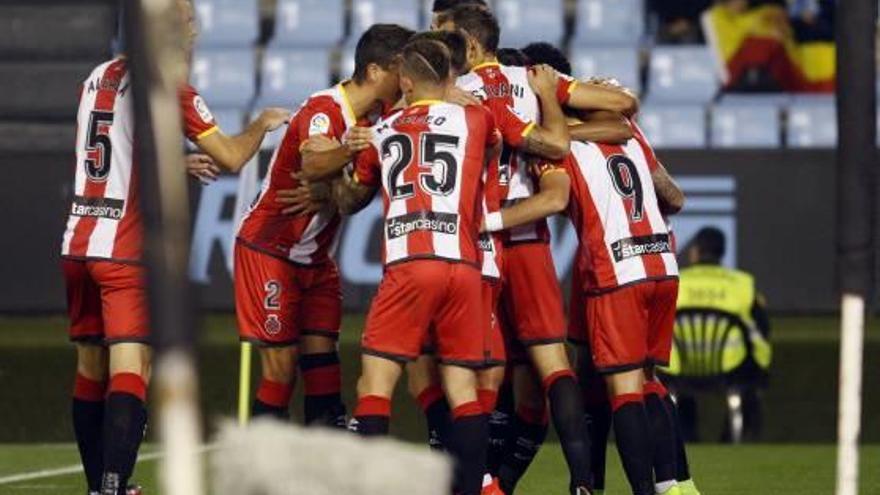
{"x": 627, "y": 183}
{"x": 440, "y": 165}
{"x": 99, "y": 149}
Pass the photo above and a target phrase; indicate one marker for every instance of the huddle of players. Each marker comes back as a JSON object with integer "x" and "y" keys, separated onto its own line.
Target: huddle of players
{"x": 439, "y": 163}
{"x": 442, "y": 161}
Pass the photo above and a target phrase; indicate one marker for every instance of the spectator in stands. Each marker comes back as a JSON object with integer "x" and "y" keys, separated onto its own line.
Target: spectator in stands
{"x": 756, "y": 49}
{"x": 813, "y": 20}
{"x": 679, "y": 21}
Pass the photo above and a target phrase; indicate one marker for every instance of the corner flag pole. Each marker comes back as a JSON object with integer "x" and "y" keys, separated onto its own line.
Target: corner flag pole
{"x": 158, "y": 67}
{"x": 856, "y": 185}
{"x": 248, "y": 186}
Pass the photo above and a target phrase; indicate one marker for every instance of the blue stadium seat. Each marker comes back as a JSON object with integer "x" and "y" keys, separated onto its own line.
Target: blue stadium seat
{"x": 674, "y": 125}
{"x": 525, "y": 21}
{"x": 291, "y": 75}
{"x": 609, "y": 22}
{"x": 621, "y": 63}
{"x": 745, "y": 125}
{"x": 812, "y": 122}
{"x": 365, "y": 13}
{"x": 227, "y": 23}
{"x": 229, "y": 120}
{"x": 309, "y": 23}
{"x": 682, "y": 74}
{"x": 226, "y": 78}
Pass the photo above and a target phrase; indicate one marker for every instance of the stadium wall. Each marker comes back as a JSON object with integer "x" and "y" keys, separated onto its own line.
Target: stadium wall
{"x": 776, "y": 204}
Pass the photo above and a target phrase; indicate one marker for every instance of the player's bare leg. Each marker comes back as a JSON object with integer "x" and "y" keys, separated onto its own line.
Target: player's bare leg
{"x": 125, "y": 416}
{"x": 423, "y": 383}
{"x": 87, "y": 409}
{"x": 631, "y": 428}
{"x": 278, "y": 378}
{"x": 469, "y": 432}
{"x": 375, "y": 388}
{"x": 566, "y": 408}
{"x": 322, "y": 380}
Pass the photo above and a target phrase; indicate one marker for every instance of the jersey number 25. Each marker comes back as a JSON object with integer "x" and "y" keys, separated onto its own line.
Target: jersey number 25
{"x": 435, "y": 152}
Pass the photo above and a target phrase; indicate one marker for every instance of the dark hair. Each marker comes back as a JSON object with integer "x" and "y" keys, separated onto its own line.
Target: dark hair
{"x": 454, "y": 41}
{"x": 426, "y": 60}
{"x": 545, "y": 53}
{"x": 513, "y": 56}
{"x": 478, "y": 22}
{"x": 444, "y": 5}
{"x": 710, "y": 244}
{"x": 379, "y": 45}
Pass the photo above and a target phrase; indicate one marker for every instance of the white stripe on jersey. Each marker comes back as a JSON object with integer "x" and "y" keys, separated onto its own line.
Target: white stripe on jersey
{"x": 658, "y": 224}
{"x": 395, "y": 248}
{"x": 610, "y": 208}
{"x": 447, "y": 245}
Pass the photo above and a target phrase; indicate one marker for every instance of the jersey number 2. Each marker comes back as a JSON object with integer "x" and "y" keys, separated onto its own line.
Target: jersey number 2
{"x": 99, "y": 148}
{"x": 438, "y": 181}
{"x": 627, "y": 183}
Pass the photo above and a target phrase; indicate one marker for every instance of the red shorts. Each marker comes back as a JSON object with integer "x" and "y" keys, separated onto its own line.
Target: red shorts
{"x": 106, "y": 301}
{"x": 531, "y": 297}
{"x": 418, "y": 295}
{"x": 277, "y": 301}
{"x": 632, "y": 326}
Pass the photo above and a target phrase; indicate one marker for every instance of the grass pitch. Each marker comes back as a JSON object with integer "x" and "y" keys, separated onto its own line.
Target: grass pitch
{"x": 718, "y": 470}
{"x": 36, "y": 363}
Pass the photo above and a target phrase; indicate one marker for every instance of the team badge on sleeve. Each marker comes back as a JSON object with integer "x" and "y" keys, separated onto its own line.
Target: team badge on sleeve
{"x": 320, "y": 124}
{"x": 202, "y": 109}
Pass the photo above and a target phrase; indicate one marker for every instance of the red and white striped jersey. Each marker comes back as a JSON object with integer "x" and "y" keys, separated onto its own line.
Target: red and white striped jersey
{"x": 623, "y": 235}
{"x": 306, "y": 239}
{"x": 505, "y": 89}
{"x": 429, "y": 159}
{"x": 105, "y": 217}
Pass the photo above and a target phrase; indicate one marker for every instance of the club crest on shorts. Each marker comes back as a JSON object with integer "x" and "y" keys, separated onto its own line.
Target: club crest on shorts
{"x": 272, "y": 325}
{"x": 320, "y": 124}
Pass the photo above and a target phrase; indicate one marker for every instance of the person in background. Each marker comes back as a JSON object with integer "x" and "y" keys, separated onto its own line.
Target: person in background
{"x": 679, "y": 21}
{"x": 705, "y": 283}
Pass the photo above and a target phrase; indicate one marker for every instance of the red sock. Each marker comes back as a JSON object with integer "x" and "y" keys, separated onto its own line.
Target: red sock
{"x": 321, "y": 373}
{"x": 129, "y": 383}
{"x": 621, "y": 400}
{"x": 488, "y": 399}
{"x": 88, "y": 390}
{"x": 274, "y": 394}
{"x": 550, "y": 380}
{"x": 656, "y": 388}
{"x": 472, "y": 408}
{"x": 373, "y": 405}
{"x": 429, "y": 396}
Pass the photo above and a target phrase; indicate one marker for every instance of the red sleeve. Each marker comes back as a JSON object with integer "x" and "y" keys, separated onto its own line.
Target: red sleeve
{"x": 514, "y": 127}
{"x": 564, "y": 88}
{"x": 198, "y": 121}
{"x": 320, "y": 116}
{"x": 542, "y": 167}
{"x": 647, "y": 149}
{"x": 368, "y": 168}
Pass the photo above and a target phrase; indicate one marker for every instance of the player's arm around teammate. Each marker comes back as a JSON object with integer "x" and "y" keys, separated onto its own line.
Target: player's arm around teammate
{"x": 232, "y": 152}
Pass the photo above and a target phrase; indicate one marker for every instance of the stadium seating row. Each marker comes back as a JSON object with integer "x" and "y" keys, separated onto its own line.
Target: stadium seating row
{"x": 323, "y": 23}
{"x": 676, "y": 74}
